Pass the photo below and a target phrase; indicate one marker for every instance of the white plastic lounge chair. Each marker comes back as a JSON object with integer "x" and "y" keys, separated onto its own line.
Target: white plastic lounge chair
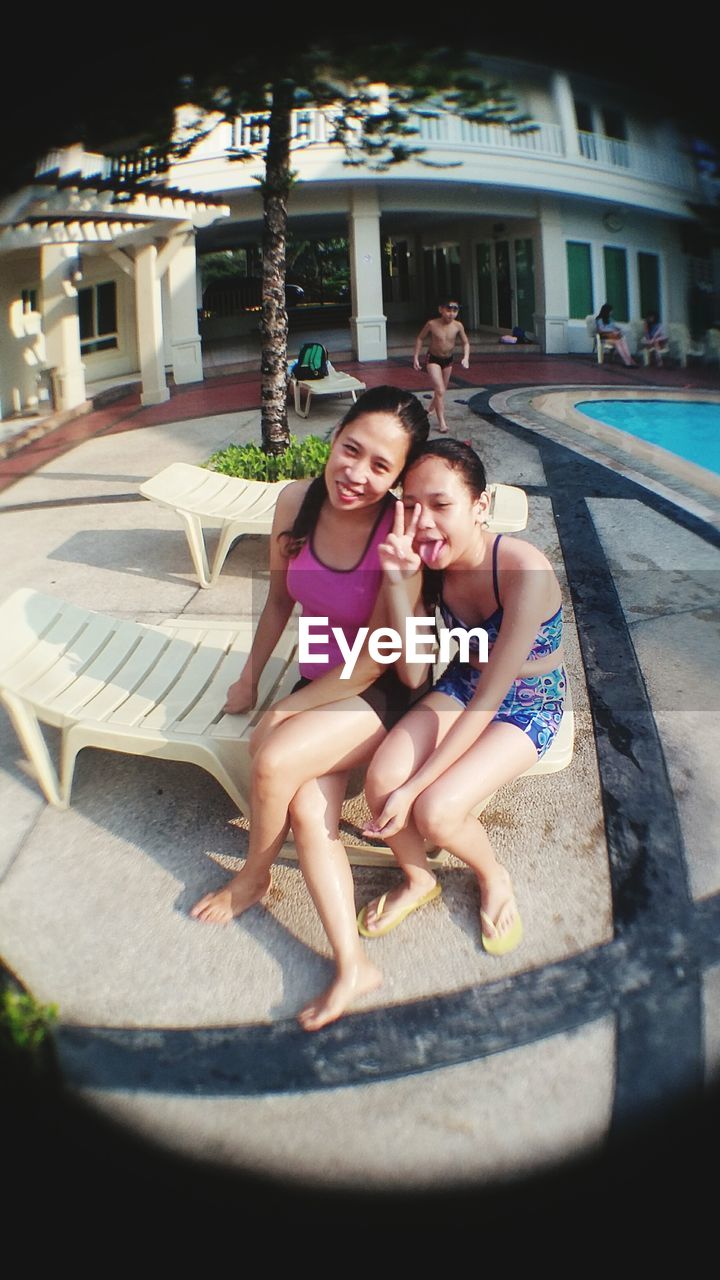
{"x": 202, "y": 497}
{"x": 129, "y": 687}
{"x": 154, "y": 691}
{"x": 333, "y": 384}
{"x": 508, "y": 508}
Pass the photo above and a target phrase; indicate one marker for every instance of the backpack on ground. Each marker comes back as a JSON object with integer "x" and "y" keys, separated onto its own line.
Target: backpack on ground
{"x": 312, "y": 362}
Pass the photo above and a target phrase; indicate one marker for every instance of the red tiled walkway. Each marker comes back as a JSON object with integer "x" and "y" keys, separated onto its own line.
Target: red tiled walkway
{"x": 239, "y": 391}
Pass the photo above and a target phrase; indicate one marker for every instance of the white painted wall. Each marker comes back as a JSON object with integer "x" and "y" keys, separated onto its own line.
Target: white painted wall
{"x": 638, "y": 234}
{"x": 515, "y": 164}
{"x": 22, "y": 348}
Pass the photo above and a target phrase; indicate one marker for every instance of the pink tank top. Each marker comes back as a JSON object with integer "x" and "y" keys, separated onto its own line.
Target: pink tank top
{"x": 346, "y": 597}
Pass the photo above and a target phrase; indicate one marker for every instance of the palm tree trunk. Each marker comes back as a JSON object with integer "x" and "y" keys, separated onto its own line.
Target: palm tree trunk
{"x": 275, "y": 433}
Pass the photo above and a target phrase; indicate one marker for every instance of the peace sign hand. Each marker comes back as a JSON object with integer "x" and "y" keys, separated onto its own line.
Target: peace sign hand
{"x": 397, "y": 558}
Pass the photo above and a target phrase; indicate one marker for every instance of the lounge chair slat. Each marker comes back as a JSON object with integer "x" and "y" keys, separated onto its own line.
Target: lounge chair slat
{"x": 100, "y": 702}
{"x": 155, "y": 687}
{"x": 61, "y": 657}
{"x": 190, "y": 685}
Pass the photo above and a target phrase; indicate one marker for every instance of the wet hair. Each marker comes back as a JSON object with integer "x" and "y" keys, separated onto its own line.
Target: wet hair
{"x": 411, "y": 415}
{"x": 604, "y": 312}
{"x": 459, "y": 457}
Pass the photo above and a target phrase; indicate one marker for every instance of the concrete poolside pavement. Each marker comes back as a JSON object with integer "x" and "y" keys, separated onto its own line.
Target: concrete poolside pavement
{"x": 462, "y": 1072}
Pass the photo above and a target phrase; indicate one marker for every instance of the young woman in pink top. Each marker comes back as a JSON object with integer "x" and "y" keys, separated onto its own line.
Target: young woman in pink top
{"x": 324, "y": 556}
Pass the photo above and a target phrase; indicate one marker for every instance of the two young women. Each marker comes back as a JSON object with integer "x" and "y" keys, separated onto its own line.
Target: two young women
{"x": 342, "y": 547}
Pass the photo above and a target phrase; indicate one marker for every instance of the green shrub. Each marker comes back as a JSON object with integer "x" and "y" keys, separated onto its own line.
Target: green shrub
{"x": 303, "y": 458}
{"x": 25, "y": 1048}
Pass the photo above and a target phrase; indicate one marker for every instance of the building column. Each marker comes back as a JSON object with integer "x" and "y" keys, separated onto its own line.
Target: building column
{"x": 58, "y": 266}
{"x": 182, "y": 286}
{"x": 564, "y": 102}
{"x": 551, "y": 315}
{"x": 368, "y": 324}
{"x": 148, "y": 309}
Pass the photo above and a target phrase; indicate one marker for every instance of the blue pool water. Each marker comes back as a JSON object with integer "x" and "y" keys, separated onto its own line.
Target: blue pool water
{"x": 690, "y": 429}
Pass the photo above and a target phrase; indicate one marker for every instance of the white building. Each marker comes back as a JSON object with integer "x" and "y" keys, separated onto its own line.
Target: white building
{"x": 98, "y": 272}
{"x": 97, "y": 280}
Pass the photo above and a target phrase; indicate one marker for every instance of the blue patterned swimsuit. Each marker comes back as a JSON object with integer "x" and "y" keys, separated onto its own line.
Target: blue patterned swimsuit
{"x": 534, "y": 703}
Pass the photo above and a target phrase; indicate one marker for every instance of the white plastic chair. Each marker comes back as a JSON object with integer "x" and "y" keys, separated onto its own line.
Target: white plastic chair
{"x": 201, "y": 497}
{"x": 129, "y": 687}
{"x": 153, "y": 691}
{"x": 712, "y": 345}
{"x": 681, "y": 344}
{"x": 601, "y": 347}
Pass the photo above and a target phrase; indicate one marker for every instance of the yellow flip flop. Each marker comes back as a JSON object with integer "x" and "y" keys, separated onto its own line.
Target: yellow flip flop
{"x": 414, "y": 906}
{"x": 510, "y": 940}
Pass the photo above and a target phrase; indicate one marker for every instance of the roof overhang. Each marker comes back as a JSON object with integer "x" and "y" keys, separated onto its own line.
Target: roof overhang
{"x": 98, "y": 212}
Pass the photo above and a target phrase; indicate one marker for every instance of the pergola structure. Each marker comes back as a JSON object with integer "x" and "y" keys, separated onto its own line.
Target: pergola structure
{"x": 51, "y": 230}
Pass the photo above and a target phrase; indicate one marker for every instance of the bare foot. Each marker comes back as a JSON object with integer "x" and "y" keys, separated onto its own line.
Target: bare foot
{"x": 347, "y": 987}
{"x": 396, "y": 905}
{"x": 498, "y": 907}
{"x": 442, "y": 430}
{"x": 224, "y": 904}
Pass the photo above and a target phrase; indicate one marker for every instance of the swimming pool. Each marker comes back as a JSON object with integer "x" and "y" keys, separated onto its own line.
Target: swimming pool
{"x": 689, "y": 429}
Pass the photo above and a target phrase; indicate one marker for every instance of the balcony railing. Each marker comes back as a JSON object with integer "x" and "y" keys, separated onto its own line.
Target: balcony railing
{"x": 133, "y": 166}
{"x": 608, "y": 151}
{"x": 129, "y": 167}
{"x": 312, "y": 127}
{"x": 452, "y": 131}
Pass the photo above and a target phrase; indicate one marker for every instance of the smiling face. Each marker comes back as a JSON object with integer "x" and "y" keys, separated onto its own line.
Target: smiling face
{"x": 451, "y": 517}
{"x": 366, "y": 459}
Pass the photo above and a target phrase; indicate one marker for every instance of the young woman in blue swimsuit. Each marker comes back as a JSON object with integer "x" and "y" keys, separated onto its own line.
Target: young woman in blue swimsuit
{"x": 483, "y": 723}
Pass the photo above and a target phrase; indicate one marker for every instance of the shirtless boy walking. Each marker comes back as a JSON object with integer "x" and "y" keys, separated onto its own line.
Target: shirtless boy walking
{"x": 442, "y": 333}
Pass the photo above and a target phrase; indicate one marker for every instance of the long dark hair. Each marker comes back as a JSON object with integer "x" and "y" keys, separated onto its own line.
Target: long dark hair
{"x": 411, "y": 415}
{"x": 460, "y": 457}
{"x": 604, "y": 313}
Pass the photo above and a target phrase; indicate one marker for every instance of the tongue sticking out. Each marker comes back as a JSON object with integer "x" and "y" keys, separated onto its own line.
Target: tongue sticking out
{"x": 429, "y": 551}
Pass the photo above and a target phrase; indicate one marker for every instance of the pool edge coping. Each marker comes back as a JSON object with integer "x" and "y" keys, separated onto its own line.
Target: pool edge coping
{"x": 551, "y": 412}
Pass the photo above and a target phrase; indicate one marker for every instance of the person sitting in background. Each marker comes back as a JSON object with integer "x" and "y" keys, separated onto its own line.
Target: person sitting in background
{"x": 654, "y": 339}
{"x": 610, "y": 332}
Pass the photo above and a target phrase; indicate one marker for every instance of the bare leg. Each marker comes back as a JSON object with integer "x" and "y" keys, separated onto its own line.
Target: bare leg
{"x": 402, "y": 753}
{"x": 443, "y": 814}
{"x": 623, "y": 351}
{"x": 502, "y": 753}
{"x": 306, "y": 746}
{"x": 440, "y": 379}
{"x": 315, "y": 814}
